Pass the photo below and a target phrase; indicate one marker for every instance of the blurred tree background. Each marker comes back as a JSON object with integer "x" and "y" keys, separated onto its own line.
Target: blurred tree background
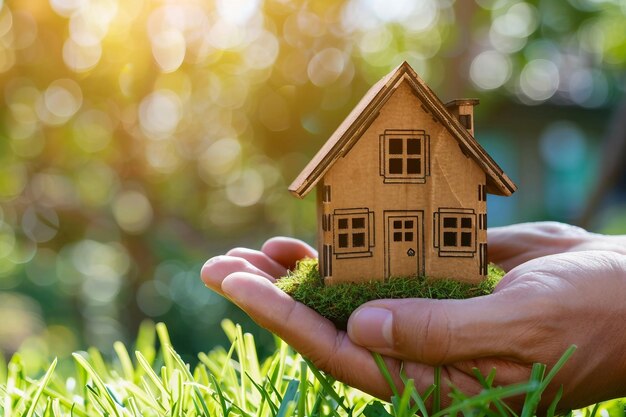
{"x": 139, "y": 138}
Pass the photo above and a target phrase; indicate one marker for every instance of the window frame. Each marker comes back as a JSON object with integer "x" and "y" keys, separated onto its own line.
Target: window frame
{"x": 350, "y": 231}
{"x": 443, "y": 232}
{"x": 391, "y": 136}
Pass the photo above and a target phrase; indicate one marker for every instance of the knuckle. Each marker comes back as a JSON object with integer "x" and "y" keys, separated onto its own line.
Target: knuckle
{"x": 328, "y": 361}
{"x": 424, "y": 337}
{"x": 238, "y": 251}
{"x": 437, "y": 346}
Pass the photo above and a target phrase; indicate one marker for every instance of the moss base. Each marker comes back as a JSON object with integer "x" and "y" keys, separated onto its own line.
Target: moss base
{"x": 337, "y": 302}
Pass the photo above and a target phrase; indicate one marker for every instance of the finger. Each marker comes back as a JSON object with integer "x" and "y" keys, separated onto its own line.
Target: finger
{"x": 510, "y": 246}
{"x": 309, "y": 333}
{"x": 260, "y": 260}
{"x": 507, "y": 246}
{"x": 439, "y": 332}
{"x": 287, "y": 251}
{"x": 219, "y": 267}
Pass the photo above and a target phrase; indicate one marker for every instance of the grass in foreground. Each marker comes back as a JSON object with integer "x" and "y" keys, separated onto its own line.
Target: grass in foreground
{"x": 337, "y": 302}
{"x": 235, "y": 382}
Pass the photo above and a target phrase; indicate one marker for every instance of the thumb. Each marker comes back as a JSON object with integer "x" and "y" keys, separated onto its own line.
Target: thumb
{"x": 437, "y": 331}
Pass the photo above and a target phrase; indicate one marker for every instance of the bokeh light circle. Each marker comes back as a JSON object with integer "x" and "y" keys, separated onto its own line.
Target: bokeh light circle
{"x": 490, "y": 70}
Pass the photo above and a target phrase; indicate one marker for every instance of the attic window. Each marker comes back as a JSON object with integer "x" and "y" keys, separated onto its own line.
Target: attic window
{"x": 456, "y": 232}
{"x": 353, "y": 235}
{"x": 404, "y": 156}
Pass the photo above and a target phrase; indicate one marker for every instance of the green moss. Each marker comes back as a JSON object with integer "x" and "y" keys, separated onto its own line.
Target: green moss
{"x": 337, "y": 302}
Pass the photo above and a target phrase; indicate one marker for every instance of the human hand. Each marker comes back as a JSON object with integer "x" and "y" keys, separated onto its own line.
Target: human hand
{"x": 246, "y": 278}
{"x": 510, "y": 246}
{"x": 536, "y": 312}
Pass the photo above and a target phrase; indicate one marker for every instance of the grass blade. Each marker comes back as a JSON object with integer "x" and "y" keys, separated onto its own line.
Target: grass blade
{"x": 557, "y": 367}
{"x": 164, "y": 339}
{"x": 112, "y": 407}
{"x": 328, "y": 388}
{"x": 385, "y": 371}
{"x": 419, "y": 400}
{"x": 488, "y": 396}
{"x": 156, "y": 380}
{"x": 532, "y": 400}
{"x": 437, "y": 391}
{"x": 289, "y": 399}
{"x": 304, "y": 386}
{"x": 127, "y": 364}
{"x": 266, "y": 398}
{"x": 595, "y": 410}
{"x": 3, "y": 369}
{"x": 220, "y": 395}
{"x": 42, "y": 385}
{"x": 552, "y": 409}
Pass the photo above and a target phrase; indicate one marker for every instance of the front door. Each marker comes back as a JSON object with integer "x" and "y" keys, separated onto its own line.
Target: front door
{"x": 404, "y": 243}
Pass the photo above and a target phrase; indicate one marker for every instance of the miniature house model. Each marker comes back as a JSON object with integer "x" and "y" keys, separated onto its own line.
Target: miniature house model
{"x": 402, "y": 186}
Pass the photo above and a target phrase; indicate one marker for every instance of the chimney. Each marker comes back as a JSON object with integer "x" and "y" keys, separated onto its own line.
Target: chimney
{"x": 463, "y": 110}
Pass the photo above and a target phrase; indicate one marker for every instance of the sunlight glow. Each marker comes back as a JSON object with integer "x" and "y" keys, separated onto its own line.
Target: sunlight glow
{"x": 247, "y": 189}
{"x": 539, "y": 79}
{"x": 66, "y": 7}
{"x": 490, "y": 70}
{"x": 326, "y": 66}
{"x": 80, "y": 58}
{"x": 159, "y": 113}
{"x": 168, "y": 49}
{"x": 132, "y": 211}
{"x": 237, "y": 11}
{"x": 63, "y": 98}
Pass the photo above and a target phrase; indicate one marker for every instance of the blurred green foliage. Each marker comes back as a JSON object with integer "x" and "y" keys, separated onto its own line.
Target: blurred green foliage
{"x": 138, "y": 138}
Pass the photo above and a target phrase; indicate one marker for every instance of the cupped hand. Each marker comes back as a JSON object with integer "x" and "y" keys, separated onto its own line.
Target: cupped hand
{"x": 538, "y": 310}
{"x": 246, "y": 277}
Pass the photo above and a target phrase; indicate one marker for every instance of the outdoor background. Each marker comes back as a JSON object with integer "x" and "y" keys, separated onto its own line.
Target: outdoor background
{"x": 138, "y": 138}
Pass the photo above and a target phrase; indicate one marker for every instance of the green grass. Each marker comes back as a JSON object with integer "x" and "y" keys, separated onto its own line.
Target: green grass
{"x": 236, "y": 382}
{"x": 337, "y": 302}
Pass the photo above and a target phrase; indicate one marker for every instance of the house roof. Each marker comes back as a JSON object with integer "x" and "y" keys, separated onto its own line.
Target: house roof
{"x": 360, "y": 118}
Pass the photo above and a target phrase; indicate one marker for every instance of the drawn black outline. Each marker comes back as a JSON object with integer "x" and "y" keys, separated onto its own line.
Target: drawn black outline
{"x": 369, "y": 227}
{"x": 417, "y": 215}
{"x": 461, "y": 253}
{"x": 382, "y": 156}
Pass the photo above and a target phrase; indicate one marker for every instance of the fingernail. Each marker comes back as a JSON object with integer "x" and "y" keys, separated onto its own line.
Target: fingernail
{"x": 371, "y": 327}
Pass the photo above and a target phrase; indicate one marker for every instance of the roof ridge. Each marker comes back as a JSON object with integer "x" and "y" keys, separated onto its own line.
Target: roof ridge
{"x": 353, "y": 126}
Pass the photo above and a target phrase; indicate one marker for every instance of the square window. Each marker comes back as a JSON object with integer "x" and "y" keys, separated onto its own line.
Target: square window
{"x": 395, "y": 146}
{"x": 358, "y": 223}
{"x": 466, "y": 239}
{"x": 466, "y": 222}
{"x": 397, "y": 224}
{"x": 466, "y": 120}
{"x": 397, "y": 237}
{"x": 395, "y": 166}
{"x": 343, "y": 240}
{"x": 449, "y": 222}
{"x": 408, "y": 224}
{"x": 358, "y": 240}
{"x": 404, "y": 155}
{"x": 449, "y": 238}
{"x": 413, "y": 166}
{"x": 413, "y": 147}
{"x": 408, "y": 237}
{"x": 342, "y": 223}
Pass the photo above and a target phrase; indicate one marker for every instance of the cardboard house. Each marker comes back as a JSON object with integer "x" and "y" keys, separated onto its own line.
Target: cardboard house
{"x": 402, "y": 187}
